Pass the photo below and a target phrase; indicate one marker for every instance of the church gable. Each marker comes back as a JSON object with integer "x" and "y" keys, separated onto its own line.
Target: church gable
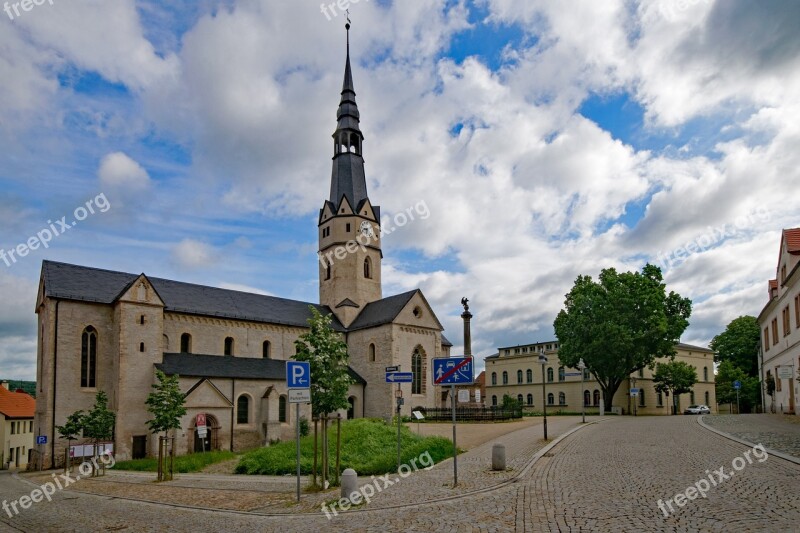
{"x": 417, "y": 312}
{"x": 141, "y": 291}
{"x": 205, "y": 395}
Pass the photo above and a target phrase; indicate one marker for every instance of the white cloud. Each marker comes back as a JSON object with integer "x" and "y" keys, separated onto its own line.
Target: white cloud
{"x": 192, "y": 254}
{"x": 117, "y": 170}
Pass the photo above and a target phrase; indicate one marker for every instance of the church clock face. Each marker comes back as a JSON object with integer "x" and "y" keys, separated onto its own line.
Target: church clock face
{"x": 366, "y": 229}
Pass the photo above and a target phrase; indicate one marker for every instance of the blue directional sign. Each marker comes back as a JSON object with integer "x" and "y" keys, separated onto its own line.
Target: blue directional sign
{"x": 399, "y": 377}
{"x": 41, "y": 439}
{"x": 298, "y": 374}
{"x": 737, "y": 384}
{"x": 453, "y": 371}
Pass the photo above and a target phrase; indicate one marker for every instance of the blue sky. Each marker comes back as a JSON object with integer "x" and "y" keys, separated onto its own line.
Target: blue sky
{"x": 547, "y": 141}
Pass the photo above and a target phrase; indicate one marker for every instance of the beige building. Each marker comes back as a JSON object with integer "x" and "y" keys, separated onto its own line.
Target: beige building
{"x": 780, "y": 327}
{"x": 516, "y": 371}
{"x": 16, "y": 426}
{"x": 109, "y": 331}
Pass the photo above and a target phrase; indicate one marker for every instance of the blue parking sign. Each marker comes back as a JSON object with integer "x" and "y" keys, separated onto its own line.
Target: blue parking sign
{"x": 298, "y": 374}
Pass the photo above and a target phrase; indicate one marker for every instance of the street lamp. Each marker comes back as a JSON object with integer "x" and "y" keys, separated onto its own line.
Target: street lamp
{"x": 543, "y": 361}
{"x": 581, "y": 366}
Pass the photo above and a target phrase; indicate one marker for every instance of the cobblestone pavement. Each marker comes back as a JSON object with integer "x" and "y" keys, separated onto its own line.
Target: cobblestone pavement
{"x": 777, "y": 432}
{"x": 605, "y": 477}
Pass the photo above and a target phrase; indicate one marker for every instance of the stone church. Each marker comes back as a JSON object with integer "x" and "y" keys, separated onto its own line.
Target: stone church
{"x": 106, "y": 330}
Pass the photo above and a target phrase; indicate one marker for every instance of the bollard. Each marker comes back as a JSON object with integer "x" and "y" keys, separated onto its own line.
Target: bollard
{"x": 349, "y": 483}
{"x": 499, "y": 457}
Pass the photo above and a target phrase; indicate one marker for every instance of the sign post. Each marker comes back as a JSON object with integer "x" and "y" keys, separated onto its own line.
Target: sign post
{"x": 393, "y": 375}
{"x": 737, "y": 385}
{"x": 453, "y": 371}
{"x": 298, "y": 380}
{"x": 581, "y": 366}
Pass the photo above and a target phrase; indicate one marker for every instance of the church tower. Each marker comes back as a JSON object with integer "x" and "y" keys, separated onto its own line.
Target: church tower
{"x": 349, "y": 225}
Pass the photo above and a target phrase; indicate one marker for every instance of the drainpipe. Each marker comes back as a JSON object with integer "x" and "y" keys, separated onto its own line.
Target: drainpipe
{"x": 233, "y": 407}
{"x": 55, "y": 372}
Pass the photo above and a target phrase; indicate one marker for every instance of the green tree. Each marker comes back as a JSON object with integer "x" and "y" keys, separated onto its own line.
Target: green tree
{"x": 749, "y": 393}
{"x": 739, "y": 344}
{"x": 166, "y": 404}
{"x": 98, "y": 424}
{"x": 620, "y": 324}
{"x": 327, "y": 352}
{"x": 510, "y": 403}
{"x": 674, "y": 377}
{"x": 71, "y": 429}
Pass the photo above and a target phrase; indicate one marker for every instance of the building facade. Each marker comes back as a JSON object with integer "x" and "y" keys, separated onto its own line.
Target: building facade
{"x": 779, "y": 322}
{"x": 107, "y": 330}
{"x": 516, "y": 371}
{"x": 16, "y": 426}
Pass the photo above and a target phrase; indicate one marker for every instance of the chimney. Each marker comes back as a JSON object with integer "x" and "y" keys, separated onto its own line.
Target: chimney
{"x": 4, "y": 384}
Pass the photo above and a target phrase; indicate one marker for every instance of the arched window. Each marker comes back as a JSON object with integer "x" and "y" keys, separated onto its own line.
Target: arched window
{"x": 368, "y": 268}
{"x": 228, "y": 345}
{"x": 705, "y": 373}
{"x": 587, "y": 398}
{"x": 494, "y": 378}
{"x": 530, "y": 399}
{"x": 243, "y": 409}
{"x": 549, "y": 375}
{"x": 641, "y": 397}
{"x": 494, "y": 401}
{"x": 141, "y": 346}
{"x": 519, "y": 398}
{"x": 659, "y": 399}
{"x": 186, "y": 343}
{"x": 596, "y": 398}
{"x": 166, "y": 344}
{"x": 416, "y": 367}
{"x": 586, "y": 375}
{"x": 519, "y": 376}
{"x": 550, "y": 398}
{"x": 562, "y": 398}
{"x": 328, "y": 272}
{"x": 561, "y": 376}
{"x": 505, "y": 377}
{"x": 707, "y": 398}
{"x": 529, "y": 375}
{"x": 372, "y": 356}
{"x": 89, "y": 357}
{"x": 282, "y": 412}
{"x": 265, "y": 349}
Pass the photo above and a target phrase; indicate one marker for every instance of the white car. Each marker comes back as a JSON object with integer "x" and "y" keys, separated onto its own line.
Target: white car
{"x": 697, "y": 410}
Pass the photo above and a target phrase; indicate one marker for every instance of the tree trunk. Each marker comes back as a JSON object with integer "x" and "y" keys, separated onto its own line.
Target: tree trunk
{"x": 608, "y": 393}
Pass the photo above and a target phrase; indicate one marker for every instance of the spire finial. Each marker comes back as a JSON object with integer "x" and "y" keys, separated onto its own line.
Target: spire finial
{"x": 347, "y": 27}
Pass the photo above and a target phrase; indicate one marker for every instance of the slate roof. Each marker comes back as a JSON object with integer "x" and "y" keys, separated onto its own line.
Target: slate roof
{"x": 381, "y": 312}
{"x": 446, "y": 342}
{"x": 226, "y": 366}
{"x": 16, "y": 404}
{"x": 73, "y": 282}
{"x": 684, "y": 346}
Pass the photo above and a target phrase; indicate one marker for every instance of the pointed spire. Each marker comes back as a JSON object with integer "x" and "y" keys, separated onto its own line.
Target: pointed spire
{"x": 348, "y": 178}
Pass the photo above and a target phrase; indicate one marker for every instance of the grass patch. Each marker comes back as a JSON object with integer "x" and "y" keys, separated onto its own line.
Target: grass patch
{"x": 194, "y": 462}
{"x": 369, "y": 447}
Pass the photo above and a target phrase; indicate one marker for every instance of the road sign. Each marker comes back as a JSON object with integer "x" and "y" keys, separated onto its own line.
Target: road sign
{"x": 200, "y": 420}
{"x": 299, "y": 395}
{"x": 41, "y": 439}
{"x": 395, "y": 368}
{"x": 399, "y": 377}
{"x": 452, "y": 371}
{"x": 298, "y": 374}
{"x": 202, "y": 432}
{"x": 737, "y": 384}
{"x": 634, "y": 392}
{"x": 572, "y": 374}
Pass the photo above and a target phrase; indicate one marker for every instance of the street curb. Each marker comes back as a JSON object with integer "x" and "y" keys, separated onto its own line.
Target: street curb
{"x": 538, "y": 455}
{"x": 784, "y": 456}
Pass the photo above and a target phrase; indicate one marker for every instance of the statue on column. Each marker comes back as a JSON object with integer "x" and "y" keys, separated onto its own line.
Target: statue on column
{"x": 465, "y": 303}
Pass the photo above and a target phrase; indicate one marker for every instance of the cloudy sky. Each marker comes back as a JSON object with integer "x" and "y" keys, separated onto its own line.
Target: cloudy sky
{"x": 545, "y": 139}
